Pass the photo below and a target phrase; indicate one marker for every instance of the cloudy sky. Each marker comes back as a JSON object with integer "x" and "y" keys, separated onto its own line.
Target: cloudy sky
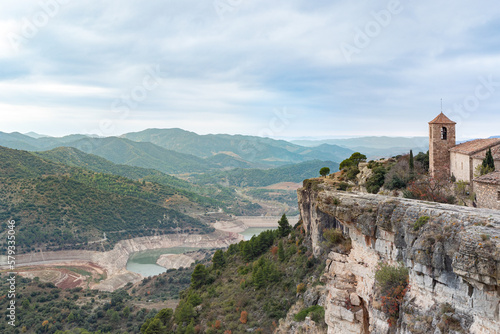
{"x": 283, "y": 68}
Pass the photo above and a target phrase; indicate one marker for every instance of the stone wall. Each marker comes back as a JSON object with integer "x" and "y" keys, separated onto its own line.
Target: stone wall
{"x": 452, "y": 260}
{"x": 460, "y": 166}
{"x": 487, "y": 195}
{"x": 439, "y": 155}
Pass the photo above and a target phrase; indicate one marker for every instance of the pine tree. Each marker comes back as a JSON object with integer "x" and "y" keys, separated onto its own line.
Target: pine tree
{"x": 199, "y": 276}
{"x": 488, "y": 161}
{"x": 259, "y": 279}
{"x": 412, "y": 163}
{"x": 284, "y": 227}
{"x": 281, "y": 251}
{"x": 218, "y": 259}
{"x": 488, "y": 164}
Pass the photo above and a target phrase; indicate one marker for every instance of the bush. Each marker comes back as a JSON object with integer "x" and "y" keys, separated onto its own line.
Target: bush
{"x": 393, "y": 284}
{"x": 420, "y": 222}
{"x": 316, "y": 312}
{"x": 351, "y": 172}
{"x": 342, "y": 186}
{"x": 376, "y": 181}
{"x": 336, "y": 240}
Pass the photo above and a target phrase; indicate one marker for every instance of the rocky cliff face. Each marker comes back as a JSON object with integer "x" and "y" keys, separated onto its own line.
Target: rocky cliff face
{"x": 452, "y": 258}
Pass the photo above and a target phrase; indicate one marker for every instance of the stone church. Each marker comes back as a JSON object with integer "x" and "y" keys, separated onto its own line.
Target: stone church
{"x": 447, "y": 159}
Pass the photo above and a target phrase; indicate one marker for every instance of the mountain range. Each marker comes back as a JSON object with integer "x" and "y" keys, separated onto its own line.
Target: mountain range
{"x": 176, "y": 151}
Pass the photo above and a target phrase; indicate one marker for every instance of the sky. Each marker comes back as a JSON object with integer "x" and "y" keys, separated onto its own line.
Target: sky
{"x": 282, "y": 69}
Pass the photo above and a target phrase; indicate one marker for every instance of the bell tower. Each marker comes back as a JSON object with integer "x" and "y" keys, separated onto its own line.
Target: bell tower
{"x": 441, "y": 139}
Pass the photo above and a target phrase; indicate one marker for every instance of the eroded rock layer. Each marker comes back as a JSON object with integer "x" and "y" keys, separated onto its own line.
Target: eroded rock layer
{"x": 452, "y": 257}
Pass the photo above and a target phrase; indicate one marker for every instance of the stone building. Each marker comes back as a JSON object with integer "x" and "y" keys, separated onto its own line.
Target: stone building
{"x": 447, "y": 159}
{"x": 487, "y": 188}
{"x": 467, "y": 156}
{"x": 441, "y": 140}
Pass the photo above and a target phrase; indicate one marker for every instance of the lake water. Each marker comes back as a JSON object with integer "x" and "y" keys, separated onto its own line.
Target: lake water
{"x": 144, "y": 262}
{"x": 251, "y": 231}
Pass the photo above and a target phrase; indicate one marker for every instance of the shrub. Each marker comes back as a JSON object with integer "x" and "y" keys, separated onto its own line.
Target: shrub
{"x": 336, "y": 240}
{"x": 393, "y": 284}
{"x": 351, "y": 172}
{"x": 342, "y": 186}
{"x": 316, "y": 312}
{"x": 376, "y": 181}
{"x": 244, "y": 317}
{"x": 420, "y": 222}
{"x": 301, "y": 287}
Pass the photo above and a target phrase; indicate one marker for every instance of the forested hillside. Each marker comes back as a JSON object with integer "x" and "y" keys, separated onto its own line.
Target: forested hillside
{"x": 263, "y": 177}
{"x": 61, "y": 207}
{"x": 247, "y": 288}
{"x": 214, "y": 196}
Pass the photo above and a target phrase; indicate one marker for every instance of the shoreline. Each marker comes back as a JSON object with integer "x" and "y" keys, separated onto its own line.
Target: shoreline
{"x": 114, "y": 262}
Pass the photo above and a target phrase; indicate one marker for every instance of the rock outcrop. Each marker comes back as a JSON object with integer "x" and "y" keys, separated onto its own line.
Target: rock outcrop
{"x": 452, "y": 256}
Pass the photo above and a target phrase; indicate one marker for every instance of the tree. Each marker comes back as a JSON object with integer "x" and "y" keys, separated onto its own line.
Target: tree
{"x": 423, "y": 159}
{"x": 199, "y": 276}
{"x": 165, "y": 315}
{"x": 184, "y": 313}
{"x": 281, "y": 251}
{"x": 284, "y": 227}
{"x": 324, "y": 171}
{"x": 353, "y": 160}
{"x": 412, "y": 163}
{"x": 218, "y": 259}
{"x": 488, "y": 161}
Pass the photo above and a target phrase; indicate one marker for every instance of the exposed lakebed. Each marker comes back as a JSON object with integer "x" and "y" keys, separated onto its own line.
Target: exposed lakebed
{"x": 144, "y": 262}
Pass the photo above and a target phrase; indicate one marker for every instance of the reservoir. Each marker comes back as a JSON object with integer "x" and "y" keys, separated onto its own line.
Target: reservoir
{"x": 144, "y": 262}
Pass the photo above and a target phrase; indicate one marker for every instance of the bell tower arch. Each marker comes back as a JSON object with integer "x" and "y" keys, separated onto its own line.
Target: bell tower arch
{"x": 441, "y": 140}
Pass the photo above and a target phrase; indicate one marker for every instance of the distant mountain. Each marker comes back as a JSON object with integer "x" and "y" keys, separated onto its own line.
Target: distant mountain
{"x": 263, "y": 177}
{"x": 74, "y": 157}
{"x": 229, "y": 161}
{"x": 146, "y": 155}
{"x": 35, "y": 135}
{"x": 58, "y": 206}
{"x": 254, "y": 149}
{"x": 374, "y": 147}
{"x": 19, "y": 141}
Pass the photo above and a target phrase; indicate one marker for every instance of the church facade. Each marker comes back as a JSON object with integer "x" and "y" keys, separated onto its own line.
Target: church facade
{"x": 447, "y": 159}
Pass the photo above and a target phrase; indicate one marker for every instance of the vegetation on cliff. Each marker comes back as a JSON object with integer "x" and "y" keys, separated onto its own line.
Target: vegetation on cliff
{"x": 249, "y": 287}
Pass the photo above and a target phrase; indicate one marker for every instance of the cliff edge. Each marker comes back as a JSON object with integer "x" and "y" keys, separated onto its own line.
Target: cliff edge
{"x": 452, "y": 255}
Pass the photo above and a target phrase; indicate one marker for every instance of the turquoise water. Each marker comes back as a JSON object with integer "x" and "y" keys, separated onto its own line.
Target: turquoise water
{"x": 250, "y": 232}
{"x": 144, "y": 262}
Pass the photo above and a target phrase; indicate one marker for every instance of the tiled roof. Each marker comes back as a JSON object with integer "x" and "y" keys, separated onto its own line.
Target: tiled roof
{"x": 475, "y": 146}
{"x": 493, "y": 177}
{"x": 495, "y": 152}
{"x": 442, "y": 119}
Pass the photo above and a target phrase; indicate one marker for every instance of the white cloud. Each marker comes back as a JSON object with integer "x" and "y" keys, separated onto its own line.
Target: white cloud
{"x": 226, "y": 73}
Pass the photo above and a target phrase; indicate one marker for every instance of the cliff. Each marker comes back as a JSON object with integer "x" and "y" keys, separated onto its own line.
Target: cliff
{"x": 452, "y": 260}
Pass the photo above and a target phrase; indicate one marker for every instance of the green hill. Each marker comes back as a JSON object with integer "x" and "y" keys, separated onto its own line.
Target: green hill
{"x": 60, "y": 207}
{"x": 146, "y": 155}
{"x": 263, "y": 177}
{"x": 266, "y": 151}
{"x": 213, "y": 196}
